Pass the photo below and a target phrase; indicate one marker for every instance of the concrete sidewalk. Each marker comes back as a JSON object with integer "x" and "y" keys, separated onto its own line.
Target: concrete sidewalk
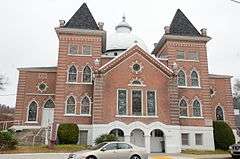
{"x": 189, "y": 156}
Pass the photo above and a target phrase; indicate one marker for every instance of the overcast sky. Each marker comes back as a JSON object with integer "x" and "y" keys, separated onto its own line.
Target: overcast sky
{"x": 27, "y": 36}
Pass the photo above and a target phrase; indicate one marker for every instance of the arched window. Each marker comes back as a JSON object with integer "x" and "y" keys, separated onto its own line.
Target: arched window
{"x": 85, "y": 105}
{"x": 87, "y": 74}
{"x": 197, "y": 108}
{"x": 49, "y": 104}
{"x": 194, "y": 79}
{"x": 70, "y": 106}
{"x": 72, "y": 74}
{"x": 32, "y": 112}
{"x": 183, "y": 107}
{"x": 219, "y": 113}
{"x": 181, "y": 78}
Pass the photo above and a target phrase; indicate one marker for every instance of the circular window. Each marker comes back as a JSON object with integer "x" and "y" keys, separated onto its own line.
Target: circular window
{"x": 136, "y": 67}
{"x": 42, "y": 87}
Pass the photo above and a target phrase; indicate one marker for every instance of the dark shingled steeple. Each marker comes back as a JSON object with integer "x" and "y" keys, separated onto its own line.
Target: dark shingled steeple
{"x": 82, "y": 19}
{"x": 182, "y": 26}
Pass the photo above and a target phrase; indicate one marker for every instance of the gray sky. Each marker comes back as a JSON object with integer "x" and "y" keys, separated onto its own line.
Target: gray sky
{"x": 27, "y": 36}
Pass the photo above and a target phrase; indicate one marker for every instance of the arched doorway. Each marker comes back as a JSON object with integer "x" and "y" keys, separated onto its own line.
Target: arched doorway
{"x": 137, "y": 138}
{"x": 118, "y": 133}
{"x": 48, "y": 113}
{"x": 157, "y": 142}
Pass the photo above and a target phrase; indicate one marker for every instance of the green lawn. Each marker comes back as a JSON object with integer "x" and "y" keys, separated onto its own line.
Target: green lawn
{"x": 44, "y": 149}
{"x": 198, "y": 152}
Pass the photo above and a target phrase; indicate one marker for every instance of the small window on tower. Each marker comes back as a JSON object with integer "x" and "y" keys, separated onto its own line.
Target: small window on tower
{"x": 87, "y": 50}
{"x": 180, "y": 55}
{"x": 73, "y": 49}
{"x": 193, "y": 56}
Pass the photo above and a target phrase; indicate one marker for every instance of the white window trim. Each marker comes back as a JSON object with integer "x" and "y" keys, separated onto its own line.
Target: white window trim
{"x": 155, "y": 91}
{"x": 186, "y": 100}
{"x": 186, "y": 82}
{"x": 69, "y": 66}
{"x": 90, "y": 106}
{"x": 36, "y": 121}
{"x": 90, "y": 51}
{"x": 201, "y": 115}
{"x": 126, "y": 101}
{"x": 199, "y": 79}
{"x": 91, "y": 74}
{"x": 141, "y": 101}
{"x": 219, "y": 105}
{"x": 69, "y": 46}
{"x": 67, "y": 114}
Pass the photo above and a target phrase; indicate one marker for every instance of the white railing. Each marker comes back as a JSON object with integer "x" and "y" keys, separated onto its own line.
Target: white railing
{"x": 4, "y": 125}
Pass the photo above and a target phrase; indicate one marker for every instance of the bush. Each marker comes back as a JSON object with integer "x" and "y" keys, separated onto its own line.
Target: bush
{"x": 106, "y": 138}
{"x": 68, "y": 133}
{"x": 7, "y": 140}
{"x": 223, "y": 135}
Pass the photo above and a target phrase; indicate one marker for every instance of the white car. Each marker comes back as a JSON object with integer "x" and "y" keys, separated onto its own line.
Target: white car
{"x": 112, "y": 150}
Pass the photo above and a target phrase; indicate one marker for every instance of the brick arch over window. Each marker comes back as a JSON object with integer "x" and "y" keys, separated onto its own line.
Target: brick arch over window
{"x": 183, "y": 107}
{"x": 181, "y": 78}
{"x": 197, "y": 108}
{"x": 195, "y": 78}
{"x": 32, "y": 112}
{"x": 85, "y": 106}
{"x": 70, "y": 105}
{"x": 219, "y": 113}
{"x": 72, "y": 74}
{"x": 87, "y": 74}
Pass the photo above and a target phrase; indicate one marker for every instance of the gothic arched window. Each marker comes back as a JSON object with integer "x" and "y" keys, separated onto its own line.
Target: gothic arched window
{"x": 72, "y": 74}
{"x": 87, "y": 74}
{"x": 49, "y": 104}
{"x": 183, "y": 107}
{"x": 181, "y": 78}
{"x": 32, "y": 112}
{"x": 85, "y": 105}
{"x": 219, "y": 113}
{"x": 70, "y": 105}
{"x": 194, "y": 79}
{"x": 197, "y": 108}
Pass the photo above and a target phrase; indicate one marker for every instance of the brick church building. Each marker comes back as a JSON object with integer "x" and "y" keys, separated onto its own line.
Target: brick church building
{"x": 164, "y": 99}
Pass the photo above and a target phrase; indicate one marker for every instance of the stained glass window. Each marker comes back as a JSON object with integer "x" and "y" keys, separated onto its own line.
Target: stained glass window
{"x": 183, "y": 108}
{"x": 151, "y": 103}
{"x": 49, "y": 104}
{"x": 196, "y": 108}
{"x": 85, "y": 105}
{"x": 32, "y": 111}
{"x": 219, "y": 113}
{"x": 87, "y": 50}
{"x": 87, "y": 74}
{"x": 137, "y": 102}
{"x": 70, "y": 105}
{"x": 181, "y": 78}
{"x": 122, "y": 102}
{"x": 72, "y": 74}
{"x": 73, "y": 49}
{"x": 194, "y": 79}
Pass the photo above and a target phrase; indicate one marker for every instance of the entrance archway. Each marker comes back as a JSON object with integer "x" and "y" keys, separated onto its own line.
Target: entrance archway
{"x": 157, "y": 142}
{"x": 118, "y": 133}
{"x": 137, "y": 138}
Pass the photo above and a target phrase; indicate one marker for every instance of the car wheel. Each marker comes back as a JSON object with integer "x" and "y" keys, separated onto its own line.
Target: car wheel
{"x": 135, "y": 157}
{"x": 91, "y": 157}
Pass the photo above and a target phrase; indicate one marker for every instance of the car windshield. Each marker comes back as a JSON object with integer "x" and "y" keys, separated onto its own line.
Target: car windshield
{"x": 96, "y": 147}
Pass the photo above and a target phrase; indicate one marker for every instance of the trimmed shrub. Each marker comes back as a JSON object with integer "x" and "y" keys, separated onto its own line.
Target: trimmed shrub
{"x": 68, "y": 133}
{"x": 223, "y": 135}
{"x": 7, "y": 140}
{"x": 106, "y": 138}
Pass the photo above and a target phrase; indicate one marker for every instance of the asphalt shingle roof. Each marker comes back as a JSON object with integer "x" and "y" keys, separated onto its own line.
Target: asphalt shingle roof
{"x": 82, "y": 19}
{"x": 182, "y": 26}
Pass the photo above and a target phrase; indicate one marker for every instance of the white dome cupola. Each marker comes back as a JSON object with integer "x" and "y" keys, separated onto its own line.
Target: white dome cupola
{"x": 122, "y": 39}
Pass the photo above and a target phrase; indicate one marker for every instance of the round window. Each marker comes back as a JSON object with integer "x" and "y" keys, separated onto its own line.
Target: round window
{"x": 42, "y": 87}
{"x": 136, "y": 67}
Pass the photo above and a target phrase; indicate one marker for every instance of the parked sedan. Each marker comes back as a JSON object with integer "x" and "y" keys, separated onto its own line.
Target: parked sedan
{"x": 235, "y": 150}
{"x": 111, "y": 150}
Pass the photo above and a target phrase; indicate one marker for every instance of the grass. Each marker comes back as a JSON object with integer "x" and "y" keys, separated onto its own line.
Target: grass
{"x": 203, "y": 152}
{"x": 45, "y": 149}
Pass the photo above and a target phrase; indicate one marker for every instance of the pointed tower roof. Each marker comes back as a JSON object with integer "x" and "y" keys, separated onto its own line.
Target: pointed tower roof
{"x": 182, "y": 26}
{"x": 82, "y": 19}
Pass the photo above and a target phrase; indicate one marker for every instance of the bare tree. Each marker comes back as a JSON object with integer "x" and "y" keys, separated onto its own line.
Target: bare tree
{"x": 3, "y": 82}
{"x": 236, "y": 87}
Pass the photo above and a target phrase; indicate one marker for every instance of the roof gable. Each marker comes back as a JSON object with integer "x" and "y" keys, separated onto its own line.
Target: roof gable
{"x": 182, "y": 26}
{"x": 132, "y": 50}
{"x": 82, "y": 19}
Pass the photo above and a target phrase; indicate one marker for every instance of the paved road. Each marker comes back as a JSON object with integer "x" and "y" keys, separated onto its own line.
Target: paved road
{"x": 64, "y": 156}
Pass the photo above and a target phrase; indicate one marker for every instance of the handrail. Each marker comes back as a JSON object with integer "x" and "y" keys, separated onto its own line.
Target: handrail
{"x": 36, "y": 135}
